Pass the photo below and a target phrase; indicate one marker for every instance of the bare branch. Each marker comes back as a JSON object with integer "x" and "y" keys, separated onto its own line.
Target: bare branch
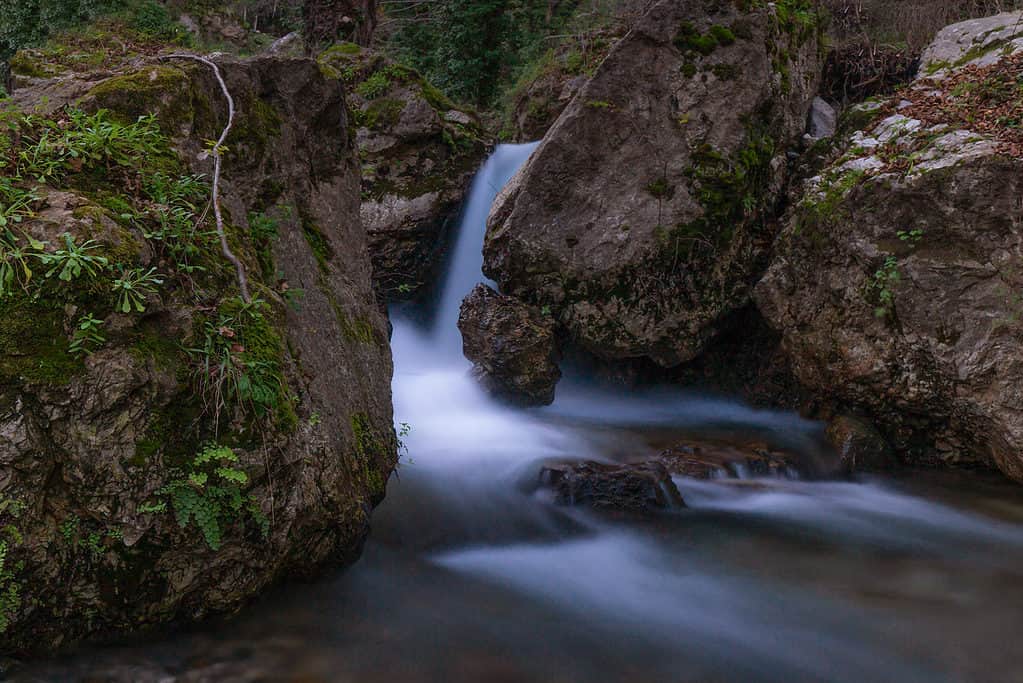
{"x": 217, "y": 152}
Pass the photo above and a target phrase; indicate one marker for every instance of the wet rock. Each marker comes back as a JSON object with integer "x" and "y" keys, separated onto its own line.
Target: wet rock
{"x": 419, "y": 154}
{"x": 893, "y": 282}
{"x": 861, "y": 447}
{"x": 708, "y": 460}
{"x": 512, "y": 346}
{"x": 638, "y": 220}
{"x": 642, "y": 487}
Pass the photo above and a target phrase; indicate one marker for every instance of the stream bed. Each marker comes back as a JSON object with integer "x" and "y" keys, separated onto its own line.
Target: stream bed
{"x": 471, "y": 574}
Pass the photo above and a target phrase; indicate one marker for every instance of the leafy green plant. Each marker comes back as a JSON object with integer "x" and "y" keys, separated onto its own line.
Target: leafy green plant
{"x": 911, "y": 237}
{"x": 238, "y": 365}
{"x": 74, "y": 259}
{"x": 211, "y": 494}
{"x": 133, "y": 286}
{"x": 87, "y": 336}
{"x": 883, "y": 285}
{"x": 14, "y": 261}
{"x": 15, "y": 202}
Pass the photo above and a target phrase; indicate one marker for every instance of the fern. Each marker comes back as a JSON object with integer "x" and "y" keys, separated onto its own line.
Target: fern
{"x": 211, "y": 495}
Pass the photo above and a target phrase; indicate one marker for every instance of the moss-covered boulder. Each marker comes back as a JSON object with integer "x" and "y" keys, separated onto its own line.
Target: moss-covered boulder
{"x": 168, "y": 450}
{"x": 639, "y": 222}
{"x": 419, "y": 153}
{"x": 897, "y": 282}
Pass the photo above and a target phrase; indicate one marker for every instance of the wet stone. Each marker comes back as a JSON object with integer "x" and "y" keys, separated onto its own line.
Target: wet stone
{"x": 641, "y": 487}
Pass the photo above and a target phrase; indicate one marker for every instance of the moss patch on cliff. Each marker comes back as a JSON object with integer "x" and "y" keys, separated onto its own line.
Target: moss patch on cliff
{"x": 731, "y": 189}
{"x": 33, "y": 344}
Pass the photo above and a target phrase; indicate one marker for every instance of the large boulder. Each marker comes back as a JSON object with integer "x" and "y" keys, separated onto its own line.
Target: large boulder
{"x": 639, "y": 221}
{"x": 169, "y": 453}
{"x": 896, "y": 282}
{"x": 512, "y": 346}
{"x": 419, "y": 154}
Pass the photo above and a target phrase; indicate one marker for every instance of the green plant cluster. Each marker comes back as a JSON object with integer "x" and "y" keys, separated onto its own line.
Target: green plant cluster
{"x": 689, "y": 39}
{"x": 730, "y": 189}
{"x": 238, "y": 367}
{"x": 882, "y": 285}
{"x": 212, "y": 495}
{"x": 10, "y": 538}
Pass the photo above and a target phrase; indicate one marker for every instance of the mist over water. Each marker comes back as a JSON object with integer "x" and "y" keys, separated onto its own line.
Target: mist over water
{"x": 471, "y": 574}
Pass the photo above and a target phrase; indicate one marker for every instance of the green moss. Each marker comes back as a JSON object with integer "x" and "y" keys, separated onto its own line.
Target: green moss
{"x": 660, "y": 189}
{"x": 154, "y": 344}
{"x": 34, "y": 344}
{"x": 438, "y": 100}
{"x": 256, "y": 125}
{"x": 163, "y": 90}
{"x": 380, "y": 114}
{"x": 317, "y": 241}
{"x": 32, "y": 65}
{"x": 689, "y": 39}
{"x": 342, "y": 49}
{"x": 373, "y": 453}
{"x": 730, "y": 190}
{"x": 722, "y": 35}
{"x": 824, "y": 208}
{"x": 174, "y": 432}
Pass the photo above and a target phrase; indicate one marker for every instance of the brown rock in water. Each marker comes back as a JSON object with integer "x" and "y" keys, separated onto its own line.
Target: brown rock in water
{"x": 860, "y": 445}
{"x": 896, "y": 282}
{"x": 708, "y": 460}
{"x": 512, "y": 346}
{"x": 639, "y": 220}
{"x": 642, "y": 487}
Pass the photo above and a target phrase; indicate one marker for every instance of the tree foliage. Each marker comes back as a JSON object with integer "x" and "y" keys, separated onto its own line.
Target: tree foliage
{"x": 471, "y": 47}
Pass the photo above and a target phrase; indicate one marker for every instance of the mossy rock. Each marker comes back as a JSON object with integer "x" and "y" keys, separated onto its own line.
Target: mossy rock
{"x": 162, "y": 90}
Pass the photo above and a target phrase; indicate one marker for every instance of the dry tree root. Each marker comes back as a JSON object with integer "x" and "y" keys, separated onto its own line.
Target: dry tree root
{"x": 216, "y": 152}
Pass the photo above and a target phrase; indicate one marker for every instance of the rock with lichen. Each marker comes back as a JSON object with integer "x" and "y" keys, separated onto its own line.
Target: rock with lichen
{"x": 640, "y": 221}
{"x": 419, "y": 153}
{"x": 896, "y": 282}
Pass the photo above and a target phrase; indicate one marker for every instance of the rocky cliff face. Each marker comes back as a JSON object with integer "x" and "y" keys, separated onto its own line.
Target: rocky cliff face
{"x": 419, "y": 153}
{"x": 183, "y": 450}
{"x": 897, "y": 281}
{"x": 639, "y": 221}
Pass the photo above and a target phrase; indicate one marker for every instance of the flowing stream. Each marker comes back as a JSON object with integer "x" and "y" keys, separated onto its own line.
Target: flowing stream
{"x": 473, "y": 575}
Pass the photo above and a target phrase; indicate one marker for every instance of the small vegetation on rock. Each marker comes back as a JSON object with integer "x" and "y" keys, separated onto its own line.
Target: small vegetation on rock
{"x": 211, "y": 495}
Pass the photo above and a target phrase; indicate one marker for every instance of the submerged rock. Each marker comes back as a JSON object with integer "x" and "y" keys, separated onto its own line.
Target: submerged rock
{"x": 861, "y": 447}
{"x": 642, "y": 487}
{"x": 639, "y": 221}
{"x": 419, "y": 153}
{"x": 512, "y": 346}
{"x": 199, "y": 449}
{"x": 895, "y": 283}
